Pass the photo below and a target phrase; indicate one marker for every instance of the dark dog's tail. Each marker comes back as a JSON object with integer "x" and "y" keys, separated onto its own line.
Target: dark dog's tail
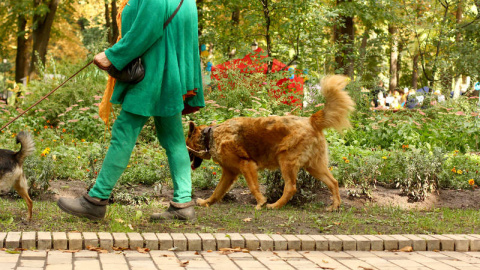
{"x": 337, "y": 106}
{"x": 28, "y": 146}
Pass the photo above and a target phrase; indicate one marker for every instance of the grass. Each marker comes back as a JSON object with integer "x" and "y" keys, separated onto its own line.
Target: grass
{"x": 243, "y": 218}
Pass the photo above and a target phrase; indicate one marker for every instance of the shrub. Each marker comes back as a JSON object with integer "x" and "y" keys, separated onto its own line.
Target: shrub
{"x": 39, "y": 173}
{"x": 307, "y": 187}
{"x": 421, "y": 173}
{"x": 206, "y": 177}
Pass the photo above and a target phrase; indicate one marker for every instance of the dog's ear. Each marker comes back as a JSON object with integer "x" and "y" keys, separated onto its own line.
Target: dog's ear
{"x": 191, "y": 128}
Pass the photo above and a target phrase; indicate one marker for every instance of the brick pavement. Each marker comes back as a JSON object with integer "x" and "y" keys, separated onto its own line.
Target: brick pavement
{"x": 50, "y": 251}
{"x": 275, "y": 260}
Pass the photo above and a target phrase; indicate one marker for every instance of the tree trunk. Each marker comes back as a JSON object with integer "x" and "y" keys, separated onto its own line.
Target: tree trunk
{"x": 399, "y": 62}
{"x": 393, "y": 58}
{"x": 235, "y": 23}
{"x": 115, "y": 30}
{"x": 458, "y": 16}
{"x": 266, "y": 14}
{"x": 363, "y": 52}
{"x": 41, "y": 33}
{"x": 415, "y": 71}
{"x": 21, "y": 57}
{"x": 200, "y": 4}
{"x": 344, "y": 35}
{"x": 108, "y": 23}
{"x": 111, "y": 22}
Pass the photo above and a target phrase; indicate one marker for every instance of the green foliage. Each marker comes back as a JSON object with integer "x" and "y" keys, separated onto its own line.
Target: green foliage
{"x": 307, "y": 187}
{"x": 207, "y": 176}
{"x": 420, "y": 173}
{"x": 414, "y": 150}
{"x": 39, "y": 173}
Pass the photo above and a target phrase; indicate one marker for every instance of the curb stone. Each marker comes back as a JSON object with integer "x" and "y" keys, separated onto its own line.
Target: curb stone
{"x": 253, "y": 242}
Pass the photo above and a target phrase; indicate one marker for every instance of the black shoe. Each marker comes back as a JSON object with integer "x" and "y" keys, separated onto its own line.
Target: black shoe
{"x": 177, "y": 211}
{"x": 85, "y": 206}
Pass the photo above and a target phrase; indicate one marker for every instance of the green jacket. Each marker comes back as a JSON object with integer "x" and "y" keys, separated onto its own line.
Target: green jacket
{"x": 171, "y": 57}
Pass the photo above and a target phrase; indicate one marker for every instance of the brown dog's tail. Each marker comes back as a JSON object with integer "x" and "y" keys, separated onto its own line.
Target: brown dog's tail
{"x": 337, "y": 106}
{"x": 28, "y": 146}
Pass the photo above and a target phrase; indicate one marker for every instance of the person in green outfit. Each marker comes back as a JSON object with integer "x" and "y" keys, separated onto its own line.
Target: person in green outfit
{"x": 172, "y": 84}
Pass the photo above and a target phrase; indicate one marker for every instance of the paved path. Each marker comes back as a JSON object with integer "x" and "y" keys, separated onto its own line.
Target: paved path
{"x": 255, "y": 260}
{"x": 138, "y": 251}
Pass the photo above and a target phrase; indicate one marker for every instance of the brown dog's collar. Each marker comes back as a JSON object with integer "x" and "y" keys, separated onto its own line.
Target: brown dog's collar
{"x": 207, "y": 135}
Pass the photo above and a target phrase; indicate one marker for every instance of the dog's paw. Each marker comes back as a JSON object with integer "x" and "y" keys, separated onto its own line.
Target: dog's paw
{"x": 202, "y": 202}
{"x": 259, "y": 206}
{"x": 272, "y": 206}
{"x": 333, "y": 208}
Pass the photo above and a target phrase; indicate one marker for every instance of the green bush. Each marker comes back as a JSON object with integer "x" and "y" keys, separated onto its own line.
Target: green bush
{"x": 307, "y": 187}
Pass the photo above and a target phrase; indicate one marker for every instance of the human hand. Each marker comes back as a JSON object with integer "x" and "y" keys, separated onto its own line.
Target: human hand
{"x": 102, "y": 61}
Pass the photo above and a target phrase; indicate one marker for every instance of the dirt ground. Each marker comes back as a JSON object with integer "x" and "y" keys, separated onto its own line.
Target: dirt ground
{"x": 237, "y": 213}
{"x": 454, "y": 199}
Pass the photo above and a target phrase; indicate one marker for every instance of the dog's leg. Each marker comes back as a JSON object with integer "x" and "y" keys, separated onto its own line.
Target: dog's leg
{"x": 21, "y": 187}
{"x": 249, "y": 170}
{"x": 322, "y": 173}
{"x": 226, "y": 181}
{"x": 289, "y": 173}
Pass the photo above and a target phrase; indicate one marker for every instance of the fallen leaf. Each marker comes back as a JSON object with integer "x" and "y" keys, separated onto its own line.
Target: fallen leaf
{"x": 168, "y": 255}
{"x": 406, "y": 249}
{"x": 119, "y": 248}
{"x": 69, "y": 251}
{"x": 143, "y": 250}
{"x": 196, "y": 253}
{"x": 130, "y": 226}
{"x": 97, "y": 249}
{"x": 184, "y": 264}
{"x": 247, "y": 219}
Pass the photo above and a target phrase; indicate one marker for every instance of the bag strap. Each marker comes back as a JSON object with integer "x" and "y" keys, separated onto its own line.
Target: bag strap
{"x": 173, "y": 15}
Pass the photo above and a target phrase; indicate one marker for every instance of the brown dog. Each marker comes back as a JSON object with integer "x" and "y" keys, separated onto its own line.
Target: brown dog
{"x": 11, "y": 169}
{"x": 245, "y": 145}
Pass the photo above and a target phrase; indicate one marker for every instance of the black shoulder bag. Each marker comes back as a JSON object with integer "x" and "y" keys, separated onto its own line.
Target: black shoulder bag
{"x": 134, "y": 72}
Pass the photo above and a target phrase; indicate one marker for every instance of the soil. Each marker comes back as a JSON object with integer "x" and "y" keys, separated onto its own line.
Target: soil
{"x": 444, "y": 198}
{"x": 236, "y": 213}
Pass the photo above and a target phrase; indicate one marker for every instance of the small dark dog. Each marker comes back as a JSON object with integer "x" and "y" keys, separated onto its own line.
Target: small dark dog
{"x": 11, "y": 169}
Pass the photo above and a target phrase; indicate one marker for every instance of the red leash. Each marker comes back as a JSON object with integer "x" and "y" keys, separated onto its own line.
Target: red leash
{"x": 47, "y": 95}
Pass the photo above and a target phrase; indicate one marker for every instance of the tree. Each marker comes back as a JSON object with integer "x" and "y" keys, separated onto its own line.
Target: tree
{"x": 111, "y": 22}
{"x": 392, "y": 30}
{"x": 344, "y": 36}
{"x": 42, "y": 25}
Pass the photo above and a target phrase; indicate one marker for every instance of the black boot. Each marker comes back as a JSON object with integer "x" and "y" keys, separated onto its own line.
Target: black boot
{"x": 84, "y": 206}
{"x": 178, "y": 211}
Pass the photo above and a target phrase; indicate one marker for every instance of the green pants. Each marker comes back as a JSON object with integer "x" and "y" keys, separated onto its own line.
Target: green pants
{"x": 125, "y": 131}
